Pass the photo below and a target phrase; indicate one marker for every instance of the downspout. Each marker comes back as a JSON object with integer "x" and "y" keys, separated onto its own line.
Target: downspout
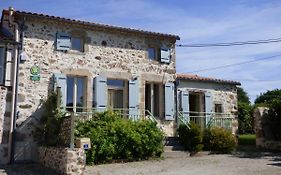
{"x": 14, "y": 87}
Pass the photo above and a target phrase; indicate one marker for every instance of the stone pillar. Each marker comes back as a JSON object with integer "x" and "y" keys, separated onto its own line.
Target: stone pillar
{"x": 258, "y": 114}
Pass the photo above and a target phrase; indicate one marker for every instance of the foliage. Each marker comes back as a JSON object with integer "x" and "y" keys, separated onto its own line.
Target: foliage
{"x": 242, "y": 96}
{"x": 219, "y": 140}
{"x": 273, "y": 119}
{"x": 47, "y": 132}
{"x": 115, "y": 138}
{"x": 245, "y": 118}
{"x": 269, "y": 96}
{"x": 245, "y": 112}
{"x": 247, "y": 139}
{"x": 191, "y": 137}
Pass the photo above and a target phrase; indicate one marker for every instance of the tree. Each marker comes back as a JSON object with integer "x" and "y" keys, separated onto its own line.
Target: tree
{"x": 269, "y": 96}
{"x": 242, "y": 96}
{"x": 245, "y": 110}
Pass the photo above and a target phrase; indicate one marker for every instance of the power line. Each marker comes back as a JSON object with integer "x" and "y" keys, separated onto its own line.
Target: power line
{"x": 265, "y": 41}
{"x": 235, "y": 64}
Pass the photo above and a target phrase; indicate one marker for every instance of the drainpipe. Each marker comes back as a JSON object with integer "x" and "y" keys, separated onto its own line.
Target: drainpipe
{"x": 14, "y": 87}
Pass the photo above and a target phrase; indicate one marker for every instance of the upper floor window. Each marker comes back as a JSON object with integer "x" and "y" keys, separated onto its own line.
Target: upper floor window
{"x": 153, "y": 53}
{"x": 77, "y": 43}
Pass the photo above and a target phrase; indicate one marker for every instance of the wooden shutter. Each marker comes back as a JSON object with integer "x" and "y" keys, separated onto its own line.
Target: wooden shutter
{"x": 169, "y": 101}
{"x": 165, "y": 55}
{"x": 208, "y": 106}
{"x": 60, "y": 83}
{"x": 63, "y": 42}
{"x": 134, "y": 99}
{"x": 2, "y": 63}
{"x": 100, "y": 88}
{"x": 184, "y": 104}
{"x": 9, "y": 67}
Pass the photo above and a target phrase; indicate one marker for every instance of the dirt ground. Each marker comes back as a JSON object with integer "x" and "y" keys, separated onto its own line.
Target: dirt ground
{"x": 240, "y": 163}
{"x": 236, "y": 164}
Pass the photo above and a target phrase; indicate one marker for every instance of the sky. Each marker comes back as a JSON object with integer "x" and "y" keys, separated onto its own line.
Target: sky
{"x": 196, "y": 22}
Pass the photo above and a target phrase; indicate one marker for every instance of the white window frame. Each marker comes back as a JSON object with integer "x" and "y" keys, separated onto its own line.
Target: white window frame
{"x": 74, "y": 107}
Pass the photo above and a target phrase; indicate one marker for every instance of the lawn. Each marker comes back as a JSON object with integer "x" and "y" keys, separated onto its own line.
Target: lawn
{"x": 247, "y": 139}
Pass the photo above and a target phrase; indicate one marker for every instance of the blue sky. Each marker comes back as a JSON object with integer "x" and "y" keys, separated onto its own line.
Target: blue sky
{"x": 195, "y": 21}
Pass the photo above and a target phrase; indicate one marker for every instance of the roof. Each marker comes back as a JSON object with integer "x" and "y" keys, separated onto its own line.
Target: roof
{"x": 93, "y": 24}
{"x": 194, "y": 77}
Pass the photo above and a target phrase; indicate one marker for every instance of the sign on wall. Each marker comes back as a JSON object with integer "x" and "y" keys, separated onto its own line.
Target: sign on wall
{"x": 35, "y": 73}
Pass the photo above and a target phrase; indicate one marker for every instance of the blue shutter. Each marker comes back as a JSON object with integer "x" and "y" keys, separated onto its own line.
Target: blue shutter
{"x": 169, "y": 101}
{"x": 184, "y": 104}
{"x": 208, "y": 106}
{"x": 63, "y": 42}
{"x": 165, "y": 55}
{"x": 59, "y": 81}
{"x": 134, "y": 99}
{"x": 100, "y": 85}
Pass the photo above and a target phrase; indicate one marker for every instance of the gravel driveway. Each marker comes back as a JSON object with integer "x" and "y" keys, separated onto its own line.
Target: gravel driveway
{"x": 240, "y": 163}
{"x": 237, "y": 164}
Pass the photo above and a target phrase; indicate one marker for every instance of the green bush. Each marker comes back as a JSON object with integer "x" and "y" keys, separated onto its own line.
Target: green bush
{"x": 115, "y": 138}
{"x": 273, "y": 119}
{"x": 191, "y": 137}
{"x": 245, "y": 118}
{"x": 219, "y": 140}
{"x": 46, "y": 133}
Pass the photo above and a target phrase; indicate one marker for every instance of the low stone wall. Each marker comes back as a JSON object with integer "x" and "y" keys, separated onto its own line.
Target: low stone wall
{"x": 262, "y": 134}
{"x": 63, "y": 160}
{"x": 65, "y": 131}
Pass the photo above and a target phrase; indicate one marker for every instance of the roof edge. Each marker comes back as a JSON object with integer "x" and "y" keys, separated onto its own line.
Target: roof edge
{"x": 93, "y": 24}
{"x": 194, "y": 77}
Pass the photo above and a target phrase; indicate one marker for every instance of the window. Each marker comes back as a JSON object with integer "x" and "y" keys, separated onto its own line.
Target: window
{"x": 218, "y": 108}
{"x": 2, "y": 62}
{"x": 77, "y": 43}
{"x": 152, "y": 53}
{"x": 115, "y": 93}
{"x": 76, "y": 98}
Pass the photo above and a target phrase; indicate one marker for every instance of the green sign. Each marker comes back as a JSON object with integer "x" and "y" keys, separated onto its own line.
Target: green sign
{"x": 34, "y": 71}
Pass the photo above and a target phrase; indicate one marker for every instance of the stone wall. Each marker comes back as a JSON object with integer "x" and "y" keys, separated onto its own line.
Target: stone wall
{"x": 262, "y": 134}
{"x": 5, "y": 102}
{"x": 63, "y": 160}
{"x": 65, "y": 131}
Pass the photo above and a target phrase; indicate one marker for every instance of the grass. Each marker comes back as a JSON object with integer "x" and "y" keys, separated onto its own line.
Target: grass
{"x": 247, "y": 139}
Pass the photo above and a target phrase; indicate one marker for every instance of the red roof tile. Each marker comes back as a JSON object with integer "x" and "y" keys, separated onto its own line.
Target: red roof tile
{"x": 194, "y": 77}
{"x": 93, "y": 24}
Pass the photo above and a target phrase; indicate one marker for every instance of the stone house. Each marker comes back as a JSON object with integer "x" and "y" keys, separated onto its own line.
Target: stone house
{"x": 92, "y": 67}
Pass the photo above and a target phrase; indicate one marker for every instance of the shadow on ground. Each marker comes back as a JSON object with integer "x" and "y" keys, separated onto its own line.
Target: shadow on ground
{"x": 25, "y": 169}
{"x": 253, "y": 153}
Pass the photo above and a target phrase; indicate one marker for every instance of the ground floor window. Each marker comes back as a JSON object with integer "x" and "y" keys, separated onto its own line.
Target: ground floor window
{"x": 116, "y": 94}
{"x": 154, "y": 100}
{"x": 76, "y": 90}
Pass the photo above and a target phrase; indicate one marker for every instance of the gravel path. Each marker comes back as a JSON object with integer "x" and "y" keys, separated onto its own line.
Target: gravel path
{"x": 238, "y": 164}
{"x": 241, "y": 163}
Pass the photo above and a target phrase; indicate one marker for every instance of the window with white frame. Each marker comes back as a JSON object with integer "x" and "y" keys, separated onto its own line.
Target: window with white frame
{"x": 76, "y": 93}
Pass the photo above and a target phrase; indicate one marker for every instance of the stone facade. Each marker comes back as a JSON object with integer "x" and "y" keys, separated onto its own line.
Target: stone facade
{"x": 4, "y": 123}
{"x": 63, "y": 160}
{"x": 262, "y": 134}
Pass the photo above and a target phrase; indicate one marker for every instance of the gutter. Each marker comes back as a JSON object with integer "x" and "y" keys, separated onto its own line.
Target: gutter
{"x": 14, "y": 88}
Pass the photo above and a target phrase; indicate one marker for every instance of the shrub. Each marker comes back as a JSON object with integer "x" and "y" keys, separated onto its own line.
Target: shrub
{"x": 219, "y": 140}
{"x": 191, "y": 137}
{"x": 47, "y": 132}
{"x": 273, "y": 119}
{"x": 245, "y": 118}
{"x": 113, "y": 138}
